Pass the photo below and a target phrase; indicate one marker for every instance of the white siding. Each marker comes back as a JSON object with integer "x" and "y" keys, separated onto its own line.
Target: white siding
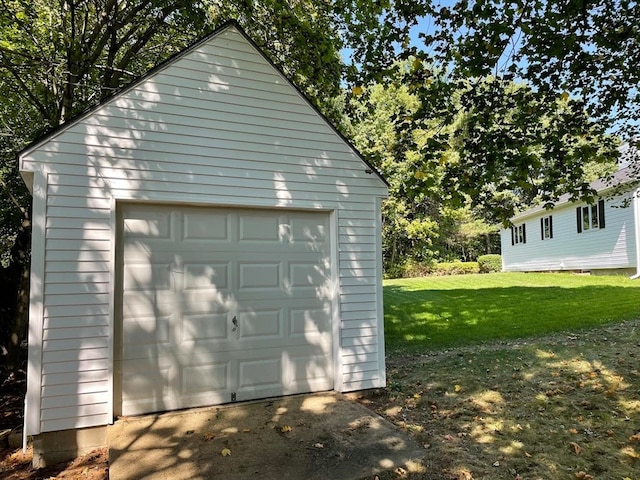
{"x": 612, "y": 247}
{"x": 218, "y": 126}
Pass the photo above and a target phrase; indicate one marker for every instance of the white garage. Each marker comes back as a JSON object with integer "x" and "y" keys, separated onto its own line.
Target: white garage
{"x": 203, "y": 236}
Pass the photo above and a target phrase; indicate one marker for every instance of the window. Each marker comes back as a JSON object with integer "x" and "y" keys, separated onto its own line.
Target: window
{"x": 590, "y": 217}
{"x": 546, "y": 228}
{"x": 518, "y": 234}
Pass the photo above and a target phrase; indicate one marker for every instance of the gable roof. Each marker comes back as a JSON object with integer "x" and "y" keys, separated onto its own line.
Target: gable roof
{"x": 624, "y": 176}
{"x": 174, "y": 58}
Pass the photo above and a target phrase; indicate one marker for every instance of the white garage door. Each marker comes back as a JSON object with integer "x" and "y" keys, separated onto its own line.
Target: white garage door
{"x": 221, "y": 305}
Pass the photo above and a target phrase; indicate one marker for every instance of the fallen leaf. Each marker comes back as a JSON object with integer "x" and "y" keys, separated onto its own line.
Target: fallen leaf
{"x": 496, "y": 464}
{"x": 457, "y": 388}
{"x": 582, "y": 475}
{"x": 577, "y": 449}
{"x": 285, "y": 429}
{"x": 573, "y": 430}
{"x": 225, "y": 452}
{"x": 401, "y": 472}
{"x": 209, "y": 436}
{"x": 527, "y": 454}
{"x": 246, "y": 430}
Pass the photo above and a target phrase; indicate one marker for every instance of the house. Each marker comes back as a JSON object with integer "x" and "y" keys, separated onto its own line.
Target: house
{"x": 603, "y": 237}
{"x": 203, "y": 236}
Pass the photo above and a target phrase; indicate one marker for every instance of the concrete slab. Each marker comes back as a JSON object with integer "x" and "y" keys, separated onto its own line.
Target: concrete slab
{"x": 316, "y": 437}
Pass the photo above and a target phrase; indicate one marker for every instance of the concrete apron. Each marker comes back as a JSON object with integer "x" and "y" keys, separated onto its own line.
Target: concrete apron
{"x": 315, "y": 437}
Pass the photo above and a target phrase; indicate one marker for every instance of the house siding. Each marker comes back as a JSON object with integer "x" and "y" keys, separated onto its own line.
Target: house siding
{"x": 613, "y": 247}
{"x": 219, "y": 126}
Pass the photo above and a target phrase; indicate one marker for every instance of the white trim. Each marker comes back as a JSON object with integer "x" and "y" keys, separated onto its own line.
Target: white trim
{"x": 240, "y": 203}
{"x": 379, "y": 295}
{"x": 336, "y": 323}
{"x": 636, "y": 222}
{"x": 36, "y": 306}
{"x": 112, "y": 307}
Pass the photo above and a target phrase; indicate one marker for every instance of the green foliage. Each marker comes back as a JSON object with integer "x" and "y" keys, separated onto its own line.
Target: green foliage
{"x": 409, "y": 269}
{"x": 491, "y": 263}
{"x": 440, "y": 312}
{"x": 418, "y": 227}
{"x": 456, "y": 268}
{"x": 531, "y": 91}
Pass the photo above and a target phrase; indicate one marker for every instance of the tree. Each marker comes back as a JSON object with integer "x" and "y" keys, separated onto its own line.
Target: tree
{"x": 60, "y": 57}
{"x": 578, "y": 58}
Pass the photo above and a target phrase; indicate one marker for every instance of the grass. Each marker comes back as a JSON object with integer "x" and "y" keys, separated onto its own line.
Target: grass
{"x": 514, "y": 376}
{"x": 428, "y": 313}
{"x": 565, "y": 406}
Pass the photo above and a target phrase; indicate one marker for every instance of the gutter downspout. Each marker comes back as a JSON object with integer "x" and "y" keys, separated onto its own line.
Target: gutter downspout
{"x": 636, "y": 221}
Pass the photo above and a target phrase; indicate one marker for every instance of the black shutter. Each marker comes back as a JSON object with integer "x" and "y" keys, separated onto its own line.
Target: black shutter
{"x": 579, "y": 218}
{"x": 542, "y": 228}
{"x": 524, "y": 233}
{"x": 550, "y": 227}
{"x": 513, "y": 241}
{"x": 601, "y": 213}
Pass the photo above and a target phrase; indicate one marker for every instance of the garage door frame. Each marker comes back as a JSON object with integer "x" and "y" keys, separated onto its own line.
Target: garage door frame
{"x": 118, "y": 271}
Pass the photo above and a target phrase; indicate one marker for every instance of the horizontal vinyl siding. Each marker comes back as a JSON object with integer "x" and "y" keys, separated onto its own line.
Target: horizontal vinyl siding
{"x": 227, "y": 132}
{"x": 608, "y": 248}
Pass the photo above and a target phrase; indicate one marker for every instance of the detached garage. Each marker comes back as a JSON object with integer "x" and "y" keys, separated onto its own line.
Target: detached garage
{"x": 204, "y": 236}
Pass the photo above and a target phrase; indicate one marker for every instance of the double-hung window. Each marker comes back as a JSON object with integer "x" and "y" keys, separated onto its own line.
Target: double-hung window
{"x": 546, "y": 228}
{"x": 518, "y": 234}
{"x": 590, "y": 217}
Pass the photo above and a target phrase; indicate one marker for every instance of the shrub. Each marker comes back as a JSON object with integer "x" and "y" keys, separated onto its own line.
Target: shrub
{"x": 490, "y": 263}
{"x": 409, "y": 269}
{"x": 457, "y": 268}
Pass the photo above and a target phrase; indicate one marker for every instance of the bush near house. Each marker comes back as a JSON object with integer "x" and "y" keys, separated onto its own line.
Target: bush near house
{"x": 490, "y": 263}
{"x": 456, "y": 268}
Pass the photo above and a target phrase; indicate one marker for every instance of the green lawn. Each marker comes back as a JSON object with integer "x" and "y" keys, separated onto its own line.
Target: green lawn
{"x": 440, "y": 312}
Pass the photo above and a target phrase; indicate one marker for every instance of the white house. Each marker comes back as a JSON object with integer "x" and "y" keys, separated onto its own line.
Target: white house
{"x": 599, "y": 238}
{"x": 203, "y": 236}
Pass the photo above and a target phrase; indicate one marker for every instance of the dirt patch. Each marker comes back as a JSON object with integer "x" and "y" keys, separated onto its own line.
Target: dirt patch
{"x": 316, "y": 437}
{"x": 16, "y": 465}
{"x": 566, "y": 406}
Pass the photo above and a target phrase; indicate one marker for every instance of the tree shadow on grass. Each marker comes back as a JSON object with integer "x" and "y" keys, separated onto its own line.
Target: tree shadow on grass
{"x": 431, "y": 319}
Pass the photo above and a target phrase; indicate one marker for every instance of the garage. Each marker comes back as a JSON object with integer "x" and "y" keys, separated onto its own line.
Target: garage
{"x": 223, "y": 305}
{"x": 203, "y": 236}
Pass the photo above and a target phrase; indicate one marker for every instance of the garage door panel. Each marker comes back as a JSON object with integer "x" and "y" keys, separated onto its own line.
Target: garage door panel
{"x": 213, "y": 377}
{"x": 151, "y": 330}
{"x": 264, "y": 324}
{"x": 307, "y": 274}
{"x": 141, "y": 276}
{"x": 260, "y": 372}
{"x": 206, "y": 275}
{"x": 206, "y": 227}
{"x": 259, "y": 275}
{"x": 148, "y": 223}
{"x": 307, "y": 369}
{"x": 263, "y": 228}
{"x": 189, "y": 272}
{"x": 207, "y": 327}
{"x": 148, "y": 304}
{"x": 309, "y": 230}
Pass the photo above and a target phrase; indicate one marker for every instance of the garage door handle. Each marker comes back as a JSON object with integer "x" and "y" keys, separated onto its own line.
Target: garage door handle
{"x": 234, "y": 320}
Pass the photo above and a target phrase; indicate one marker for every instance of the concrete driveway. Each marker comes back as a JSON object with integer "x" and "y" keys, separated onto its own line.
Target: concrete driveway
{"x": 315, "y": 437}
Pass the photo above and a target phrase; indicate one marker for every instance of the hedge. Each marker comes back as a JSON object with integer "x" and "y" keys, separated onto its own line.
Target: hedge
{"x": 490, "y": 263}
